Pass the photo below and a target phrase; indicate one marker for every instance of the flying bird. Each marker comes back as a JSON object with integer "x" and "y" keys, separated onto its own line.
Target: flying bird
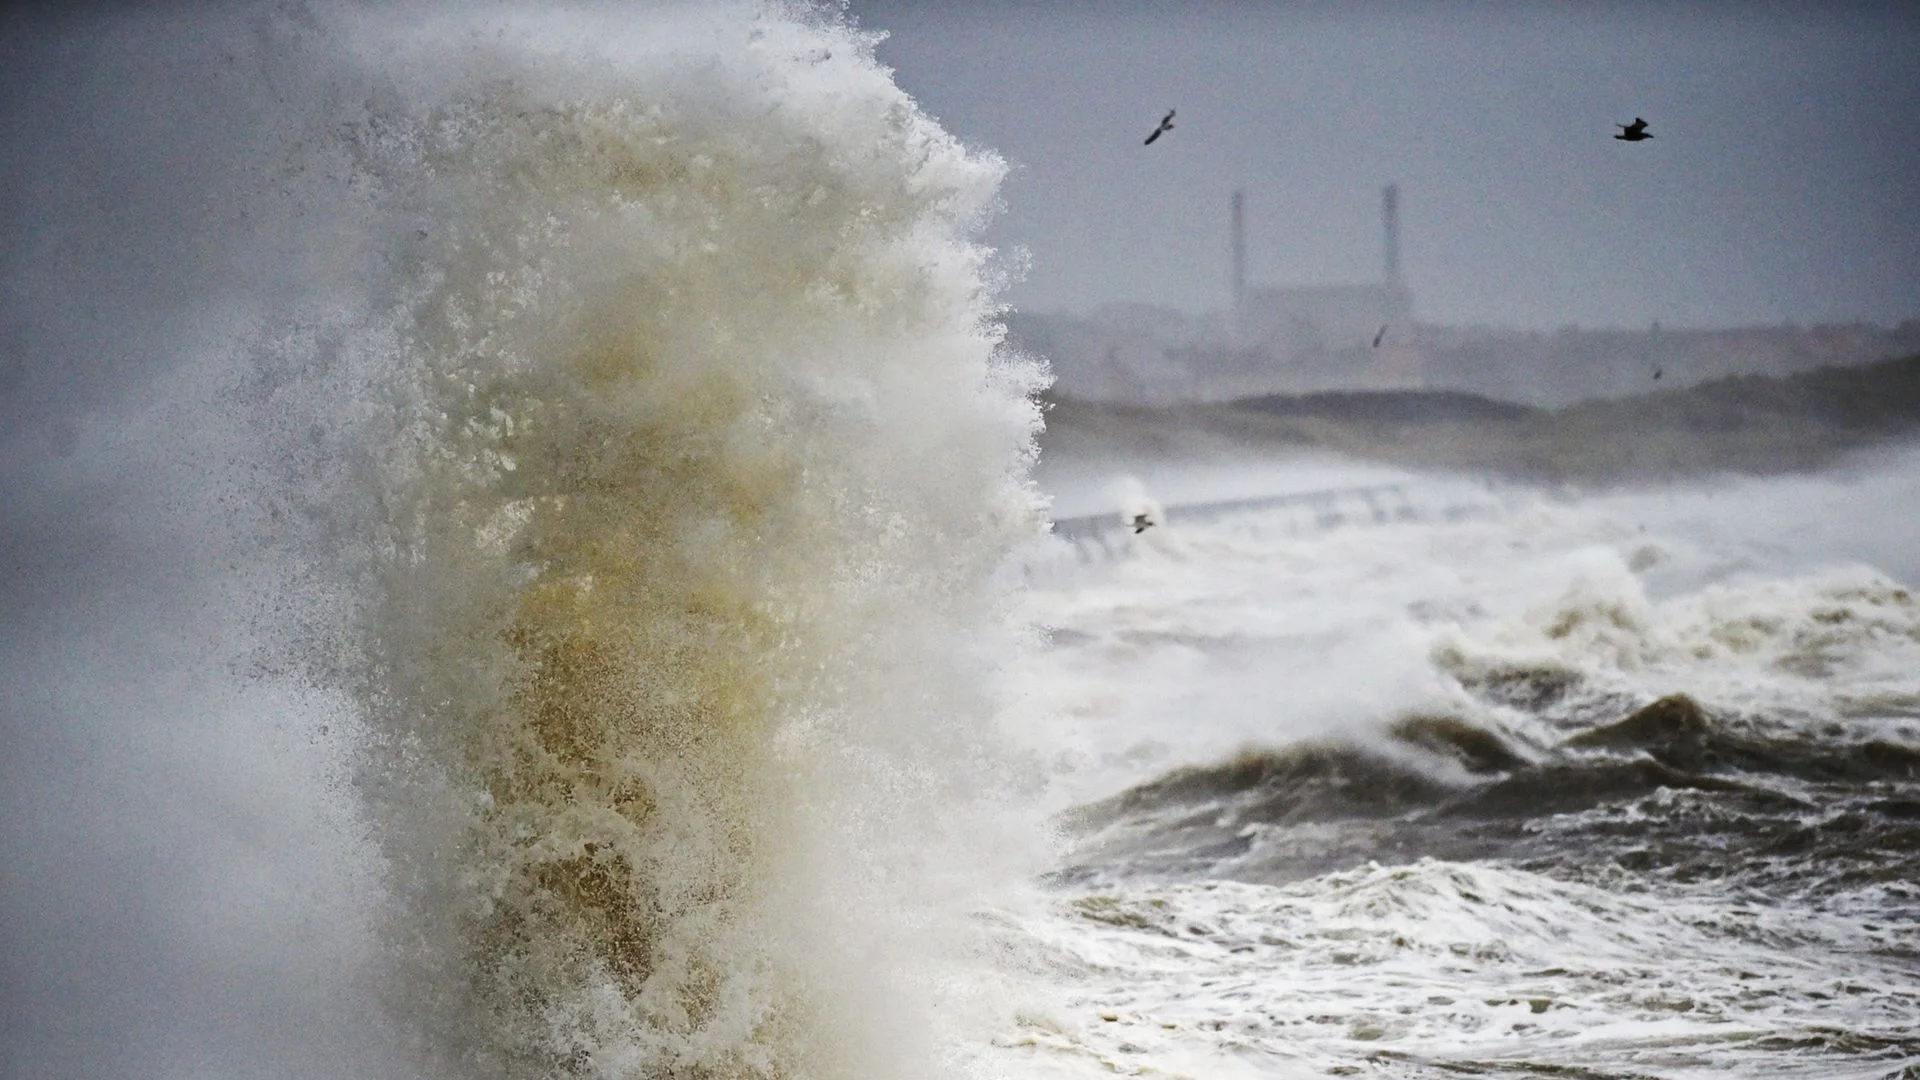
{"x": 1141, "y": 523}
{"x": 1166, "y": 125}
{"x": 1633, "y": 132}
{"x": 1380, "y": 335}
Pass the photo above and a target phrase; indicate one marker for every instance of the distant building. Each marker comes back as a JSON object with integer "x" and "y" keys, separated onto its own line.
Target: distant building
{"x": 1310, "y": 319}
{"x": 1313, "y": 338}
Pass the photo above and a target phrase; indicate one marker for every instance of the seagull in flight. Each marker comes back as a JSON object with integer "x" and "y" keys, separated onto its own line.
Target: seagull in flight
{"x": 1166, "y": 125}
{"x": 1633, "y": 132}
{"x": 1141, "y": 523}
{"x": 1378, "y": 336}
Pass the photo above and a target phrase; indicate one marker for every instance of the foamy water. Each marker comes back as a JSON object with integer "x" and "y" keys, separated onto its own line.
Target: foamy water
{"x": 1376, "y": 899}
{"x": 656, "y": 598}
{"x": 527, "y": 572}
{"x": 614, "y": 502}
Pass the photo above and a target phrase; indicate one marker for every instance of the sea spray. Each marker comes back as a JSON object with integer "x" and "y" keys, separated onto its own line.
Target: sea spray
{"x": 682, "y": 583}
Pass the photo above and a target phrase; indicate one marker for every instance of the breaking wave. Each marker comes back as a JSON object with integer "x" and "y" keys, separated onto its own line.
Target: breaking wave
{"x": 675, "y": 462}
{"x": 1790, "y": 766}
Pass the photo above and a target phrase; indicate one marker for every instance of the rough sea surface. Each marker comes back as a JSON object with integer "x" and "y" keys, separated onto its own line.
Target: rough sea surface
{"x": 1614, "y": 786}
{"x": 522, "y": 558}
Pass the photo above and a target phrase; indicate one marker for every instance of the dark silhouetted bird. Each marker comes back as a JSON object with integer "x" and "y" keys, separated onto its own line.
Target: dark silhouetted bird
{"x": 1141, "y": 523}
{"x": 1166, "y": 125}
{"x": 1377, "y": 337}
{"x": 1657, "y": 373}
{"x": 1633, "y": 132}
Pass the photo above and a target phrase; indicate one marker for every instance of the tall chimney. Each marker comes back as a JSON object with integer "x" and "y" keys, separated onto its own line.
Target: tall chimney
{"x": 1239, "y": 253}
{"x": 1390, "y": 218}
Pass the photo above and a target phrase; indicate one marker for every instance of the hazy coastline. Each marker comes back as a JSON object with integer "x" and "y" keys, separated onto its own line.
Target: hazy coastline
{"x": 1751, "y": 425}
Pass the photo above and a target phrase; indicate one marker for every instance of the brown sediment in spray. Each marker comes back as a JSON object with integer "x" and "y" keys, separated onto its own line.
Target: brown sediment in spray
{"x": 701, "y": 482}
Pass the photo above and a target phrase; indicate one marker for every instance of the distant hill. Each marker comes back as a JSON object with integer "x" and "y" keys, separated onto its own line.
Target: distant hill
{"x": 1387, "y": 406}
{"x": 1140, "y": 354}
{"x": 1749, "y": 424}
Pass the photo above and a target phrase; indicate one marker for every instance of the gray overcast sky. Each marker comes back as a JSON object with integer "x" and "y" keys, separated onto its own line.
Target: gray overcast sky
{"x": 1783, "y": 182}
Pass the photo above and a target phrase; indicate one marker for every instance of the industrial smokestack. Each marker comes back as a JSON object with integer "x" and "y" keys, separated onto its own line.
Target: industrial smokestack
{"x": 1390, "y": 218}
{"x": 1239, "y": 253}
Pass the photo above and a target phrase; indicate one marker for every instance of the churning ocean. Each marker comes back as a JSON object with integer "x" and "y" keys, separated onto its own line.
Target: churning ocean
{"x": 1502, "y": 783}
{"x": 523, "y": 559}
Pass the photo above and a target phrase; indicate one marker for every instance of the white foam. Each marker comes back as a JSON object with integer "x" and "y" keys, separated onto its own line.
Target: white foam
{"x": 1436, "y": 962}
{"x": 618, "y": 395}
